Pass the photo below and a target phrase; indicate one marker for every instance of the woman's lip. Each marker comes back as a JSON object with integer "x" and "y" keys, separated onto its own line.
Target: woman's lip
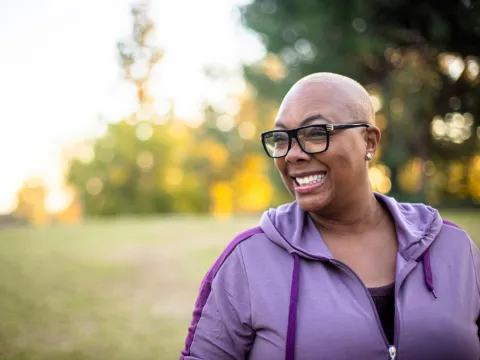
{"x": 308, "y": 188}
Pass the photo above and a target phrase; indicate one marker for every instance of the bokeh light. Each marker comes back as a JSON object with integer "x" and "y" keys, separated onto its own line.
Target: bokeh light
{"x": 94, "y": 186}
{"x": 473, "y": 69}
{"x": 144, "y": 131}
{"x": 451, "y": 65}
{"x": 454, "y": 127}
{"x": 225, "y": 122}
{"x": 376, "y": 101}
{"x": 145, "y": 160}
{"x": 247, "y": 130}
{"x": 379, "y": 175}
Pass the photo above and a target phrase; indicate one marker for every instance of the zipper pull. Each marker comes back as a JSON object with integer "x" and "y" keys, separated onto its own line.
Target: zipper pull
{"x": 393, "y": 352}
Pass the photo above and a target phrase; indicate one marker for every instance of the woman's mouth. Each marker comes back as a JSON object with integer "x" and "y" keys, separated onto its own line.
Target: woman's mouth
{"x": 306, "y": 184}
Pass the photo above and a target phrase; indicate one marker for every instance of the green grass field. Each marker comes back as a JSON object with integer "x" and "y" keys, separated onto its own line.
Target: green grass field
{"x": 111, "y": 289}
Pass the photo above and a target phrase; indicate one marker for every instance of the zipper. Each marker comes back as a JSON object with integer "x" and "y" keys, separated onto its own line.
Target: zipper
{"x": 392, "y": 350}
{"x": 396, "y": 324}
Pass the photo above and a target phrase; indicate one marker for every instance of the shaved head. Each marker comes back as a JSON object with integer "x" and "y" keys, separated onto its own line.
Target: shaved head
{"x": 319, "y": 99}
{"x": 339, "y": 89}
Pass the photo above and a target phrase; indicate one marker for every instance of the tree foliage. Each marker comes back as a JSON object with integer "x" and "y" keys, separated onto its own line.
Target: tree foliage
{"x": 31, "y": 202}
{"x": 419, "y": 59}
{"x": 152, "y": 164}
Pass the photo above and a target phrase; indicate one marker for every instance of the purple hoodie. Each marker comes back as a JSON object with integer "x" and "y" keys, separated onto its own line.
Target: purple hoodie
{"x": 276, "y": 292}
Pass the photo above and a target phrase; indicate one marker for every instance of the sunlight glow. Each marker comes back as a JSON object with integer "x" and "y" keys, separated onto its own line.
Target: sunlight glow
{"x": 57, "y": 201}
{"x": 7, "y": 205}
{"x": 68, "y": 89}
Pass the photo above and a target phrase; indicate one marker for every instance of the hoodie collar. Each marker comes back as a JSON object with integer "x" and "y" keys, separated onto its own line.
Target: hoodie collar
{"x": 293, "y": 229}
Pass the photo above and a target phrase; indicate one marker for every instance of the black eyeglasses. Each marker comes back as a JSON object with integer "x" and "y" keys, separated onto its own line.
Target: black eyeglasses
{"x": 312, "y": 139}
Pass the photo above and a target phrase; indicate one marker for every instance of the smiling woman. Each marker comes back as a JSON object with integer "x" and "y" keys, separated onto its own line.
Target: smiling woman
{"x": 342, "y": 272}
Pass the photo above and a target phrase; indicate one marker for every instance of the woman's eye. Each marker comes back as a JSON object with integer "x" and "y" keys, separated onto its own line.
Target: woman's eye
{"x": 279, "y": 138}
{"x": 315, "y": 134}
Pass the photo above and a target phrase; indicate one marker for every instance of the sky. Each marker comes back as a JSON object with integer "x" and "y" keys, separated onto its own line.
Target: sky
{"x": 59, "y": 74}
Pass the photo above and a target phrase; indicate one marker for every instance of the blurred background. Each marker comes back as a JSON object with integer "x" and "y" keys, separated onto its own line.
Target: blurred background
{"x": 130, "y": 152}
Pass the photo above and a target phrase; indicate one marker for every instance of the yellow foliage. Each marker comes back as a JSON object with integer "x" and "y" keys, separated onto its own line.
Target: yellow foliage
{"x": 31, "y": 203}
{"x": 71, "y": 215}
{"x": 410, "y": 175}
{"x": 255, "y": 192}
{"x": 222, "y": 199}
{"x": 249, "y": 107}
{"x": 179, "y": 131}
{"x": 252, "y": 186}
{"x": 474, "y": 178}
{"x": 380, "y": 178}
{"x": 173, "y": 178}
{"x": 273, "y": 67}
{"x": 381, "y": 121}
{"x": 215, "y": 152}
{"x": 455, "y": 176}
{"x": 256, "y": 163}
{"x": 117, "y": 175}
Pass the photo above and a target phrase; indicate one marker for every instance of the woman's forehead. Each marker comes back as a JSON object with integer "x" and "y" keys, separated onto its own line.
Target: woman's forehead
{"x": 316, "y": 107}
{"x": 338, "y": 99}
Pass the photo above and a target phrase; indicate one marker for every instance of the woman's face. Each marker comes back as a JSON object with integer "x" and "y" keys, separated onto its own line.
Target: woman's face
{"x": 341, "y": 172}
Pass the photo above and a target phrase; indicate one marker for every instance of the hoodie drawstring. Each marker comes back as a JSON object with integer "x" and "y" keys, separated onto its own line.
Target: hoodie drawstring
{"x": 292, "y": 310}
{"x": 427, "y": 270}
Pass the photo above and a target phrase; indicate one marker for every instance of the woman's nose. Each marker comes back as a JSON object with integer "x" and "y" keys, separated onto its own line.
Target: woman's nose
{"x": 296, "y": 153}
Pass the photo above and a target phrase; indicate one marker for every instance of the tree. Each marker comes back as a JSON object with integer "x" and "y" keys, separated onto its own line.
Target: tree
{"x": 31, "y": 202}
{"x": 418, "y": 57}
{"x": 138, "y": 55}
{"x": 127, "y": 170}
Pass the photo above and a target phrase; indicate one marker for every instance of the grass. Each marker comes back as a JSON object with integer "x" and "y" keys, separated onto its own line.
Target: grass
{"x": 112, "y": 289}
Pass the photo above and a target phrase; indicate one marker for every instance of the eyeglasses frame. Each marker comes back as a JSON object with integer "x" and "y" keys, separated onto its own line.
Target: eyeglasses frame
{"x": 293, "y": 134}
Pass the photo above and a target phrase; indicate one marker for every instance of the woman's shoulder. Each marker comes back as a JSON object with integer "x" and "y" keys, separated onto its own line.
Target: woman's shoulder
{"x": 248, "y": 241}
{"x": 249, "y": 246}
{"x": 455, "y": 243}
{"x": 454, "y": 233}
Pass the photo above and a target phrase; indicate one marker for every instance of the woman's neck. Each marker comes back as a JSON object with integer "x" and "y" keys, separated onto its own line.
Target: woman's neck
{"x": 353, "y": 218}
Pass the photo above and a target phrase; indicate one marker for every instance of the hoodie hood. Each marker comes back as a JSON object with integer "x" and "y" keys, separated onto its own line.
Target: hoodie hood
{"x": 288, "y": 226}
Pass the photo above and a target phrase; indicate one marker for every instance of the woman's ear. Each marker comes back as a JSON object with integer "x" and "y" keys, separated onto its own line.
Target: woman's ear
{"x": 372, "y": 139}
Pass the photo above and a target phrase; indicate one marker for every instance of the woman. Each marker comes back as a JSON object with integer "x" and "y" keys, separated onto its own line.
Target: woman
{"x": 342, "y": 272}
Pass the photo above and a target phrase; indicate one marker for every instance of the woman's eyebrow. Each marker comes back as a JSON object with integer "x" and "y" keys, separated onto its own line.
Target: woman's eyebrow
{"x": 305, "y": 121}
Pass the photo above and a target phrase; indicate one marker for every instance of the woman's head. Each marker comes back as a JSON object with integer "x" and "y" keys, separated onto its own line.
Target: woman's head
{"x": 328, "y": 180}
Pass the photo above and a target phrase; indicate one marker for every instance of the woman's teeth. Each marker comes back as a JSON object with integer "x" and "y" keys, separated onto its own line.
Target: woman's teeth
{"x": 309, "y": 180}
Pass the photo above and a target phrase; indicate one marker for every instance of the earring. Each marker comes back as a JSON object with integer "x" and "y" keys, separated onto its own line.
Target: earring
{"x": 369, "y": 156}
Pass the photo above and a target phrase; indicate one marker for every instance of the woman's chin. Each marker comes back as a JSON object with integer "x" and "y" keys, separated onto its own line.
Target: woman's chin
{"x": 312, "y": 204}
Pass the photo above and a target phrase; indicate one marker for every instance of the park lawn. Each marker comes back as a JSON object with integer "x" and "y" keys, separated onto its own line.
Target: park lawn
{"x": 112, "y": 289}
{"x": 106, "y": 289}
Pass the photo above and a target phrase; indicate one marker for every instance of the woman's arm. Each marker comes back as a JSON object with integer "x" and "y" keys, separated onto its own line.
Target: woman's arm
{"x": 221, "y": 325}
{"x": 476, "y": 266}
